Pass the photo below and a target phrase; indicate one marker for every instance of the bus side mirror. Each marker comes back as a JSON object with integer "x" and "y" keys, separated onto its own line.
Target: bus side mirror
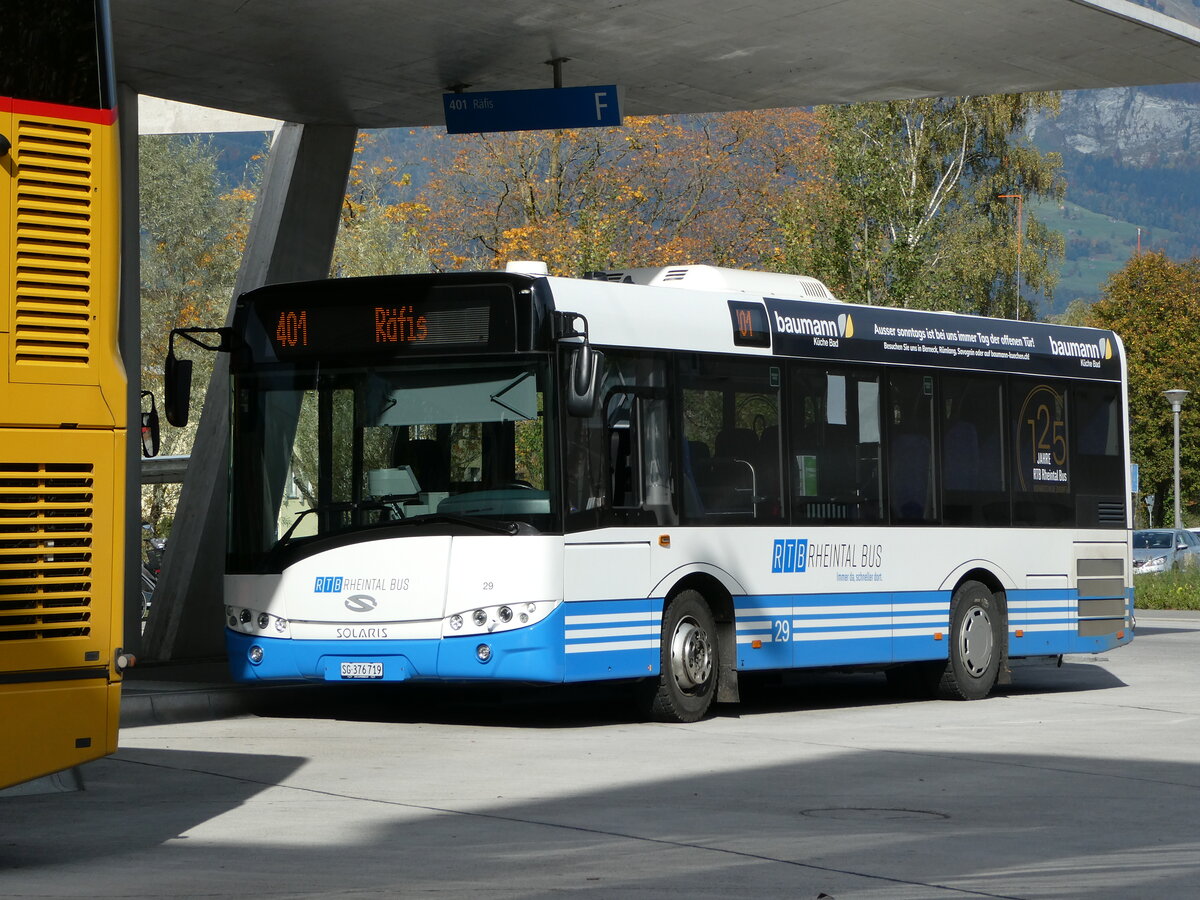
{"x": 177, "y": 377}
{"x": 583, "y": 380}
{"x": 177, "y": 389}
{"x": 150, "y": 429}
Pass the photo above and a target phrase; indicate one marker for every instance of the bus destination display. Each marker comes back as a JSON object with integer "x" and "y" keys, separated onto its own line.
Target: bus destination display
{"x": 430, "y": 323}
{"x": 393, "y": 325}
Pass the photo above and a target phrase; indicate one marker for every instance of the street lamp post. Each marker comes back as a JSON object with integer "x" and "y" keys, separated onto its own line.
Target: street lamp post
{"x": 1175, "y": 398}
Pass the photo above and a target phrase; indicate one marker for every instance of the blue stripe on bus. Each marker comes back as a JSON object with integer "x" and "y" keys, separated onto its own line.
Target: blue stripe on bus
{"x": 604, "y": 639}
{"x": 780, "y": 631}
{"x": 1044, "y": 619}
{"x": 610, "y": 639}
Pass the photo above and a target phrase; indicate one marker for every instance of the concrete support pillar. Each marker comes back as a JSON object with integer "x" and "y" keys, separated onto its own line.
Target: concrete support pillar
{"x": 130, "y": 342}
{"x": 291, "y": 239}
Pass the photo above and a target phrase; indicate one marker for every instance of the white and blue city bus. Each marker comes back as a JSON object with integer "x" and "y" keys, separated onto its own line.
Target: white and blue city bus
{"x": 670, "y": 475}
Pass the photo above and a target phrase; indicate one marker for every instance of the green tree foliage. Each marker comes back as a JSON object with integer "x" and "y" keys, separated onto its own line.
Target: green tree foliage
{"x": 192, "y": 235}
{"x": 916, "y": 219}
{"x": 1154, "y": 305}
{"x": 1078, "y": 312}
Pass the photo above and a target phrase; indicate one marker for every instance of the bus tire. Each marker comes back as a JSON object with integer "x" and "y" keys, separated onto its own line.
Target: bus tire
{"x": 977, "y": 636}
{"x": 688, "y": 661}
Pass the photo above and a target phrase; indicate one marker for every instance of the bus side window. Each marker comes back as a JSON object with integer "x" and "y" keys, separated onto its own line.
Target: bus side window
{"x": 624, "y": 452}
{"x": 1099, "y": 455}
{"x": 731, "y": 447}
{"x": 974, "y": 488}
{"x": 587, "y": 480}
{"x": 1042, "y": 464}
{"x": 619, "y": 469}
{"x": 910, "y": 448}
{"x": 834, "y": 445}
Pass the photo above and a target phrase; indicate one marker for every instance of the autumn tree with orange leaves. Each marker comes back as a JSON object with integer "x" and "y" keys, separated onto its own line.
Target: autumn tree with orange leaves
{"x": 663, "y": 190}
{"x": 382, "y": 228}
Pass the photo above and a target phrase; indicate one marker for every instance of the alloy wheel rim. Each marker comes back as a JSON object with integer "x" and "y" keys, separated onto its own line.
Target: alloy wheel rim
{"x": 691, "y": 654}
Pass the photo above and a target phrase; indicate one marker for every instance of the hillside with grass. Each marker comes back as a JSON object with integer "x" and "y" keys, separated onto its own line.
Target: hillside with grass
{"x": 1131, "y": 157}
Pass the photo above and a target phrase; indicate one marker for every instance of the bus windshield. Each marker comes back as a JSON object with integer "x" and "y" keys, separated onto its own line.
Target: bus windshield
{"x": 322, "y": 452}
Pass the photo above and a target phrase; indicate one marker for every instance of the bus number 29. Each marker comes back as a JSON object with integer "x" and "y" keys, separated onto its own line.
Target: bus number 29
{"x": 292, "y": 329}
{"x": 783, "y": 630}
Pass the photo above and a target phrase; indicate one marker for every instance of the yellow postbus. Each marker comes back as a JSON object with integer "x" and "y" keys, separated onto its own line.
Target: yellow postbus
{"x": 62, "y": 391}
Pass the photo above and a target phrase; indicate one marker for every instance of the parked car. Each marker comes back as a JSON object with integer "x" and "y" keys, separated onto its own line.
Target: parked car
{"x": 1164, "y": 549}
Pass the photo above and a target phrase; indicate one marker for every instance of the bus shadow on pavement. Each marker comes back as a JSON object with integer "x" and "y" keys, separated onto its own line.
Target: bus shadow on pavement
{"x": 1073, "y": 676}
{"x": 1143, "y": 631}
{"x": 152, "y": 797}
{"x": 598, "y": 705}
{"x": 498, "y": 705}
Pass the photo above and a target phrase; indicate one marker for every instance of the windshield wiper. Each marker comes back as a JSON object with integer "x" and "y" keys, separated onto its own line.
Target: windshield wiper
{"x": 287, "y": 535}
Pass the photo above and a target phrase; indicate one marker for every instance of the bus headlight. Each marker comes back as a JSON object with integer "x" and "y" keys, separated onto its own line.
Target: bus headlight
{"x": 255, "y": 621}
{"x": 483, "y": 653}
{"x": 255, "y": 654}
{"x": 494, "y": 619}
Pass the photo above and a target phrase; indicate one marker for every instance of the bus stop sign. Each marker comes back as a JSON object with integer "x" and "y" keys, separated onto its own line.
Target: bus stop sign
{"x": 596, "y": 106}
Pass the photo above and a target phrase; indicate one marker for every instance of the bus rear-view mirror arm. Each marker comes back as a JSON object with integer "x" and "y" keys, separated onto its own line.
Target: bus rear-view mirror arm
{"x": 177, "y": 375}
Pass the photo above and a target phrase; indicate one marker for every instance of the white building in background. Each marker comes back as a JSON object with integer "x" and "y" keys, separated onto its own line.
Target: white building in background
{"x": 157, "y": 116}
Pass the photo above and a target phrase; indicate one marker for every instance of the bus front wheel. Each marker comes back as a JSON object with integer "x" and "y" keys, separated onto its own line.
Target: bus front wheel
{"x": 977, "y": 637}
{"x": 687, "y": 661}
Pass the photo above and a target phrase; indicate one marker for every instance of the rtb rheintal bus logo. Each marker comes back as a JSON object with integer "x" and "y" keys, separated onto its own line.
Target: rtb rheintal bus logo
{"x": 790, "y": 555}
{"x": 797, "y": 555}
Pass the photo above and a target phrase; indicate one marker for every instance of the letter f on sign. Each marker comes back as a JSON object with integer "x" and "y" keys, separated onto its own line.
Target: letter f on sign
{"x": 600, "y": 105}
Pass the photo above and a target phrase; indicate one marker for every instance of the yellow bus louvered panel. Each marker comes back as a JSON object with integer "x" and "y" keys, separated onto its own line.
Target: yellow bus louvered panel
{"x": 46, "y": 525}
{"x": 52, "y": 314}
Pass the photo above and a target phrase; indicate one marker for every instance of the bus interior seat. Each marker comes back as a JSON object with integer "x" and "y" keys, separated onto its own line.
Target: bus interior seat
{"x": 428, "y": 462}
{"x": 737, "y": 443}
{"x": 726, "y": 485}
{"x": 909, "y": 472}
{"x": 960, "y": 467}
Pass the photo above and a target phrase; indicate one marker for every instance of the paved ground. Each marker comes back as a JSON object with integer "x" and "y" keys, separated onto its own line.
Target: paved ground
{"x": 1076, "y": 782}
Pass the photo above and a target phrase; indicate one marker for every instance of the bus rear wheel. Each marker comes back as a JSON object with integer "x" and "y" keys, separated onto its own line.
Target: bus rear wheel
{"x": 687, "y": 661}
{"x": 977, "y": 636}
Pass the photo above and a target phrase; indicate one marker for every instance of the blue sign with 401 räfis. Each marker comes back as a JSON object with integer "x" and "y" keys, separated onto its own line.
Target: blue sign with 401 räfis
{"x": 595, "y": 106}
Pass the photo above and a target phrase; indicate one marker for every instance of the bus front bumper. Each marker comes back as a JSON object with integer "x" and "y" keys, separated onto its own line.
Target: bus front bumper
{"x": 534, "y": 653}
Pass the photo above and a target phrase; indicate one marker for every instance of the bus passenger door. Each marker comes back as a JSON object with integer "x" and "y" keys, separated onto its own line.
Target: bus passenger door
{"x": 620, "y": 494}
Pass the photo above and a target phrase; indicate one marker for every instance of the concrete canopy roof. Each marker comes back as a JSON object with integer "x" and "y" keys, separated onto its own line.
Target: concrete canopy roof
{"x": 380, "y": 63}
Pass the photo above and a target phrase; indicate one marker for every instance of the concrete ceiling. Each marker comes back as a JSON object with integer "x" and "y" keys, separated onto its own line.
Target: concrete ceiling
{"x": 379, "y": 63}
